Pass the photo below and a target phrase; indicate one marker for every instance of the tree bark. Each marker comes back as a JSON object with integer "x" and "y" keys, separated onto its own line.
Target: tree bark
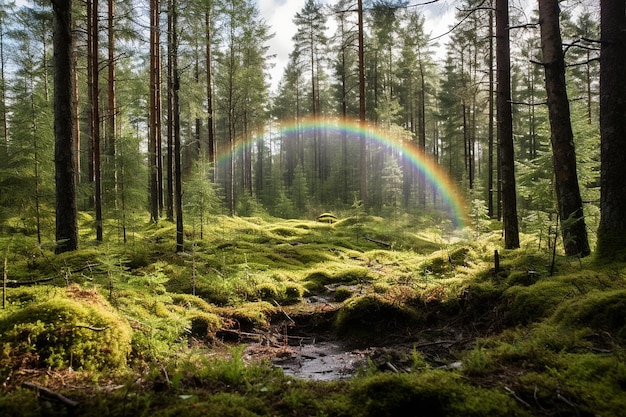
{"x": 362, "y": 141}
{"x": 569, "y": 201}
{"x": 153, "y": 116}
{"x": 490, "y": 182}
{"x": 209, "y": 92}
{"x": 169, "y": 166}
{"x": 505, "y": 126}
{"x": 178, "y": 183}
{"x": 111, "y": 100}
{"x": 612, "y": 229}
{"x": 95, "y": 118}
{"x": 64, "y": 157}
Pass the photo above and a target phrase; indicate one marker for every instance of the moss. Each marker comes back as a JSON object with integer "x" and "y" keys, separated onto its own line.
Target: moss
{"x": 371, "y": 314}
{"x": 434, "y": 393}
{"x": 62, "y": 332}
{"x": 529, "y": 304}
{"x": 335, "y": 274}
{"x": 598, "y": 310}
{"x": 522, "y": 278}
{"x": 191, "y": 301}
{"x": 253, "y": 314}
{"x": 204, "y": 325}
{"x": 342, "y": 294}
{"x": 293, "y": 293}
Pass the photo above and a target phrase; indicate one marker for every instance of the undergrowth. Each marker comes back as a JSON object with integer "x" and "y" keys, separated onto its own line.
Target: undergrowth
{"x": 144, "y": 327}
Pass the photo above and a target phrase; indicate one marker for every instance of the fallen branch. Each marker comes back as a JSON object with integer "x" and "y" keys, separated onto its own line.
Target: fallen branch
{"x": 95, "y": 329}
{"x": 378, "y": 242}
{"x": 15, "y": 283}
{"x": 51, "y": 394}
{"x": 566, "y": 401}
{"x": 517, "y": 397}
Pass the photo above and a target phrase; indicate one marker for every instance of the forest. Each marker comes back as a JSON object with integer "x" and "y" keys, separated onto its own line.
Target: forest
{"x": 403, "y": 223}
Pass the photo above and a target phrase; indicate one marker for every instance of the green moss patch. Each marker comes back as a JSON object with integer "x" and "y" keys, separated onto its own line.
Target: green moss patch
{"x": 66, "y": 332}
{"x": 602, "y": 311}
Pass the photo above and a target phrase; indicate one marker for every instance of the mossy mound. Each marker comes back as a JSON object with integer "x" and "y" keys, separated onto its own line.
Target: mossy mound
{"x": 371, "y": 314}
{"x": 599, "y": 310}
{"x": 437, "y": 393}
{"x": 335, "y": 274}
{"x": 79, "y": 331}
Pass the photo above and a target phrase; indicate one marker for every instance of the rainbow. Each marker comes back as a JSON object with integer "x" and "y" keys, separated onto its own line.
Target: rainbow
{"x": 433, "y": 172}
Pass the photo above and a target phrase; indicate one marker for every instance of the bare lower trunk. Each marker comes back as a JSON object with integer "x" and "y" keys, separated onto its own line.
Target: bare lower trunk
{"x": 568, "y": 197}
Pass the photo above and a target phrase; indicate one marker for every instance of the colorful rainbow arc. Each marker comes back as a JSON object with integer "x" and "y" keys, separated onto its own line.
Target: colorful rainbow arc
{"x": 434, "y": 174}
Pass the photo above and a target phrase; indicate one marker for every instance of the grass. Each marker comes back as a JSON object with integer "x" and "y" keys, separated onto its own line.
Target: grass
{"x": 136, "y": 329}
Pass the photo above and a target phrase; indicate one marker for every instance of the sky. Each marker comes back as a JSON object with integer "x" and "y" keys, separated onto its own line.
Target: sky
{"x": 279, "y": 15}
{"x": 439, "y": 18}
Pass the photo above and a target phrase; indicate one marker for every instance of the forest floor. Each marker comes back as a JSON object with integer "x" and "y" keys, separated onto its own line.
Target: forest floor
{"x": 270, "y": 317}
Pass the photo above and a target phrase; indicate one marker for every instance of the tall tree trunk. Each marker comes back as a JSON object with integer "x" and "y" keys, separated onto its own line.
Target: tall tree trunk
{"x": 35, "y": 137}
{"x": 158, "y": 120}
{"x": 178, "y": 186}
{"x": 259, "y": 177}
{"x": 362, "y": 141}
{"x": 153, "y": 116}
{"x": 505, "y": 126}
{"x": 570, "y": 205}
{"x": 199, "y": 147}
{"x": 111, "y": 110}
{"x": 169, "y": 165}
{"x": 612, "y": 229}
{"x": 64, "y": 158}
{"x": 90, "y": 98}
{"x": 490, "y": 139}
{"x": 4, "y": 148}
{"x": 95, "y": 117}
{"x": 209, "y": 93}
{"x": 75, "y": 111}
{"x": 422, "y": 133}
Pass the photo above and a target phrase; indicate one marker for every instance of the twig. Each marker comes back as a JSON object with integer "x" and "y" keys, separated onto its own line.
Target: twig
{"x": 95, "y": 329}
{"x": 378, "y": 242}
{"x": 434, "y": 343}
{"x": 284, "y": 312}
{"x": 392, "y": 367}
{"x": 51, "y": 394}
{"x": 566, "y": 401}
{"x": 14, "y": 283}
{"x": 517, "y": 397}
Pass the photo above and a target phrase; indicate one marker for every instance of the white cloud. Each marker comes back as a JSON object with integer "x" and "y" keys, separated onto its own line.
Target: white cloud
{"x": 279, "y": 15}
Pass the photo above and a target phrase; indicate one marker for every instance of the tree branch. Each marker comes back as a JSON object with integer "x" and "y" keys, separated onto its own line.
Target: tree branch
{"x": 51, "y": 394}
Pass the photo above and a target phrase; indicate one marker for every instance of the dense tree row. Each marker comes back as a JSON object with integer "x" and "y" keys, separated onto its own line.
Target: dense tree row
{"x": 170, "y": 112}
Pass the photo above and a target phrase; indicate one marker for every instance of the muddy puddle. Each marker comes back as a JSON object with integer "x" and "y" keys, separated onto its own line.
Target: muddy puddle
{"x": 323, "y": 361}
{"x": 305, "y": 348}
